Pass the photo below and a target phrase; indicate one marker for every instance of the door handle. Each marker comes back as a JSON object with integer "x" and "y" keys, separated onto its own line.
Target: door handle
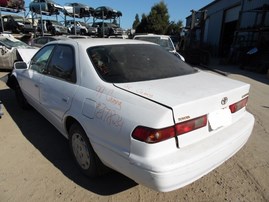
{"x": 65, "y": 100}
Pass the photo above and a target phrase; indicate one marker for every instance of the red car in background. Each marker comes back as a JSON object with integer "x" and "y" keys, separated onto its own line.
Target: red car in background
{"x": 15, "y": 4}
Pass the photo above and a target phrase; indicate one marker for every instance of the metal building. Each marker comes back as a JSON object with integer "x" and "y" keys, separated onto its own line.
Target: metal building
{"x": 225, "y": 25}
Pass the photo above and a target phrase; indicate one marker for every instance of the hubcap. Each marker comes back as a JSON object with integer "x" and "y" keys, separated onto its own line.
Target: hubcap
{"x": 81, "y": 151}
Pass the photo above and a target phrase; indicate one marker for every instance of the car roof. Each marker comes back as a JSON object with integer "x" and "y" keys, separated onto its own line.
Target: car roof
{"x": 62, "y": 37}
{"x": 50, "y": 20}
{"x": 11, "y": 15}
{"x": 90, "y": 42}
{"x": 152, "y": 35}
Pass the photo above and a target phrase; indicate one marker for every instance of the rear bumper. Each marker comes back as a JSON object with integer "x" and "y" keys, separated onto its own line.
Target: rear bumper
{"x": 192, "y": 162}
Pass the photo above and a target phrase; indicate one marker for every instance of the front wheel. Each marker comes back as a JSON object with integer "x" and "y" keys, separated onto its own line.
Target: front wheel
{"x": 20, "y": 97}
{"x": 82, "y": 151}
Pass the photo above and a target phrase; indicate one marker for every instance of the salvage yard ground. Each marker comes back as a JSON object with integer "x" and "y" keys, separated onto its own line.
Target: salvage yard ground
{"x": 35, "y": 163}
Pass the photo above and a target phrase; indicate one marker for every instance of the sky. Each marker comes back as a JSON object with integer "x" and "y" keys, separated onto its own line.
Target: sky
{"x": 177, "y": 9}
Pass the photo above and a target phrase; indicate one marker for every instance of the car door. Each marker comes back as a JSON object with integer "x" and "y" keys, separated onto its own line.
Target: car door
{"x": 59, "y": 85}
{"x": 29, "y": 79}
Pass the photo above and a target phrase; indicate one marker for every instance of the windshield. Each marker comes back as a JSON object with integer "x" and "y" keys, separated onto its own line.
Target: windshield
{"x": 19, "y": 19}
{"x": 10, "y": 42}
{"x": 50, "y": 1}
{"x": 56, "y": 23}
{"x": 136, "y": 62}
{"x": 164, "y": 42}
{"x": 84, "y": 24}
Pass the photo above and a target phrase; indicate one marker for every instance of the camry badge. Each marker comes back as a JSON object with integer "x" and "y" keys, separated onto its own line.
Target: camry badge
{"x": 224, "y": 101}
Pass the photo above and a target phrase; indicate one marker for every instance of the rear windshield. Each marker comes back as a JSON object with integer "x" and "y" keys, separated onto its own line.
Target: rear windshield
{"x": 136, "y": 62}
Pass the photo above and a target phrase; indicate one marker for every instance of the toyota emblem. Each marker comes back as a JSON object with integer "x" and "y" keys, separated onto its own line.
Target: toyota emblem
{"x": 224, "y": 101}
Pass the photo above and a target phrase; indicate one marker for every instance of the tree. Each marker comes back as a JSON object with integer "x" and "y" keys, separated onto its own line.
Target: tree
{"x": 174, "y": 28}
{"x": 143, "y": 26}
{"x": 158, "y": 18}
{"x": 136, "y": 22}
{"x": 157, "y": 21}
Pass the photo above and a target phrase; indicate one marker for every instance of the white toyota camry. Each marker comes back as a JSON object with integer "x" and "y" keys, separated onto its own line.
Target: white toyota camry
{"x": 134, "y": 107}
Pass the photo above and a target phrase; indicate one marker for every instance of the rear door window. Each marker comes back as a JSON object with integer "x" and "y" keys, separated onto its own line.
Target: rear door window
{"x": 62, "y": 63}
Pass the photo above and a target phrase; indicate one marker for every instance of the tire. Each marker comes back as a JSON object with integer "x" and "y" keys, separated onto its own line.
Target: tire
{"x": 20, "y": 97}
{"x": 82, "y": 151}
{"x": 53, "y": 32}
{"x": 82, "y": 12}
{"x": 82, "y": 32}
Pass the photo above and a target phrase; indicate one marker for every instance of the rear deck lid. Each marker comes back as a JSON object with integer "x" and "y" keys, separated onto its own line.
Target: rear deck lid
{"x": 194, "y": 95}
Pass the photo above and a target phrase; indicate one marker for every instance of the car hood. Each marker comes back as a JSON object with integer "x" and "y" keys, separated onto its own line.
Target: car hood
{"x": 27, "y": 53}
{"x": 69, "y": 9}
{"x": 202, "y": 91}
{"x": 58, "y": 6}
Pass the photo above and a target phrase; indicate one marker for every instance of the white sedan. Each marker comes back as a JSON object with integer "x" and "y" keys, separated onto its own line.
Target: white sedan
{"x": 163, "y": 40}
{"x": 134, "y": 107}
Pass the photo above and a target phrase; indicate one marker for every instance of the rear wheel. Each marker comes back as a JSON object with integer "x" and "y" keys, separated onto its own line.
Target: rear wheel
{"x": 82, "y": 151}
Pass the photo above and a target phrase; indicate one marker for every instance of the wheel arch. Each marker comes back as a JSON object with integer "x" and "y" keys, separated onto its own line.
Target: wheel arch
{"x": 99, "y": 168}
{"x": 69, "y": 121}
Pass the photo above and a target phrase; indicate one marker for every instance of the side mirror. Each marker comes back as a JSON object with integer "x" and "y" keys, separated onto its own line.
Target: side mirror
{"x": 20, "y": 65}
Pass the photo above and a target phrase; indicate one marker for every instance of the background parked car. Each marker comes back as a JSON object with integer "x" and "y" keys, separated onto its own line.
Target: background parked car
{"x": 51, "y": 26}
{"x": 42, "y": 40}
{"x": 90, "y": 29}
{"x": 124, "y": 36}
{"x": 106, "y": 29}
{"x": 163, "y": 40}
{"x": 81, "y": 28}
{"x": 49, "y": 6}
{"x": 104, "y": 12}
{"x": 11, "y": 49}
{"x": 14, "y": 4}
{"x": 16, "y": 24}
{"x": 78, "y": 10}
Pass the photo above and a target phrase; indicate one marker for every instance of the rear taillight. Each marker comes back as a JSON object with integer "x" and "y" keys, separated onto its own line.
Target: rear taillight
{"x": 238, "y": 105}
{"x": 150, "y": 135}
{"x": 191, "y": 125}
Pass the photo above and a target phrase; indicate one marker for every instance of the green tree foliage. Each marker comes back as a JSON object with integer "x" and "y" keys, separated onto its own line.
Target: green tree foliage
{"x": 158, "y": 18}
{"x": 174, "y": 28}
{"x": 157, "y": 21}
{"x": 143, "y": 26}
{"x": 136, "y": 22}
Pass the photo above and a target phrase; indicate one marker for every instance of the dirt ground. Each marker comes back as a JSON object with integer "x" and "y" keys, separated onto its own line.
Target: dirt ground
{"x": 35, "y": 163}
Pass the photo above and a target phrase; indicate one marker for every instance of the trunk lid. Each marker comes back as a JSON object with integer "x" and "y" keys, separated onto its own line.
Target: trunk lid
{"x": 194, "y": 95}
